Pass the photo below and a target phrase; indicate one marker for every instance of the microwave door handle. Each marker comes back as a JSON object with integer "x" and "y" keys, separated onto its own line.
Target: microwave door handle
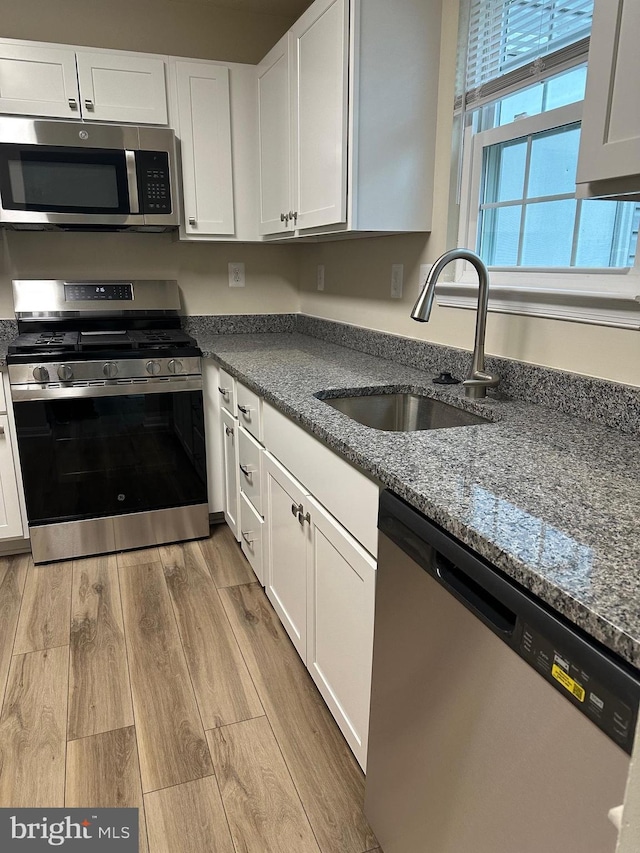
{"x": 132, "y": 181}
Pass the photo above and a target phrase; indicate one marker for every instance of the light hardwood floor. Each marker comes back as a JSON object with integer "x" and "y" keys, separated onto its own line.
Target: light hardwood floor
{"x": 161, "y": 679}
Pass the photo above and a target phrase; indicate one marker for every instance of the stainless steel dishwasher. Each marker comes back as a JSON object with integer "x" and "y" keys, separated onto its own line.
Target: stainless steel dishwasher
{"x": 495, "y": 726}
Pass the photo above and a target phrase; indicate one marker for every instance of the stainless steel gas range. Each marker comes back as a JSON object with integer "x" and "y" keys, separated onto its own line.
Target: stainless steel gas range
{"x": 107, "y": 395}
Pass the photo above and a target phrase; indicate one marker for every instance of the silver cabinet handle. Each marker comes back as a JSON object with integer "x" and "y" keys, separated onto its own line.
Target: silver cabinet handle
{"x": 247, "y": 470}
{"x": 228, "y": 430}
{"x": 295, "y": 218}
{"x": 73, "y": 104}
{"x": 246, "y": 536}
{"x": 1, "y": 430}
{"x": 223, "y": 391}
{"x": 298, "y": 510}
{"x": 192, "y": 220}
{"x": 244, "y": 409}
{"x": 283, "y": 217}
{"x": 88, "y": 104}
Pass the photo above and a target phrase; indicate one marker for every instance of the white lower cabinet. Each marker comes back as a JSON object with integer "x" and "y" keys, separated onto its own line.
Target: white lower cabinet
{"x": 341, "y": 582}
{"x": 287, "y": 537}
{"x": 251, "y": 536}
{"x": 10, "y": 516}
{"x": 230, "y": 465}
{"x": 321, "y": 583}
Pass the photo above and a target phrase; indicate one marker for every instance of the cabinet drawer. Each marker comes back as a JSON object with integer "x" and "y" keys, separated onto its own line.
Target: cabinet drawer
{"x": 249, "y": 407}
{"x": 251, "y": 526}
{"x": 227, "y": 391}
{"x": 250, "y": 468}
{"x": 345, "y": 491}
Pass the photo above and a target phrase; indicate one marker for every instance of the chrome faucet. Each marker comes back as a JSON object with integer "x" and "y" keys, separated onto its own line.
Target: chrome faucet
{"x": 478, "y": 380}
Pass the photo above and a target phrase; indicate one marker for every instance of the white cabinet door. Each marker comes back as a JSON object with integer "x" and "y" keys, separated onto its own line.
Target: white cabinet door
{"x": 341, "y": 597}
{"x": 319, "y": 74}
{"x": 610, "y": 139}
{"x": 274, "y": 139}
{"x": 10, "y": 518}
{"x": 230, "y": 457}
{"x": 121, "y": 88}
{"x": 205, "y": 134}
{"x": 287, "y": 537}
{"x": 38, "y": 81}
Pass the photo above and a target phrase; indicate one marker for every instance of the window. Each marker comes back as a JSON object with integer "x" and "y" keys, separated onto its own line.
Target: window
{"x": 520, "y": 104}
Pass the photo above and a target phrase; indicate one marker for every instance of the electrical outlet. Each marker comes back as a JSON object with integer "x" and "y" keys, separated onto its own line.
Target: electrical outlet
{"x": 397, "y": 275}
{"x": 320, "y": 276}
{"x": 424, "y": 272}
{"x": 236, "y": 274}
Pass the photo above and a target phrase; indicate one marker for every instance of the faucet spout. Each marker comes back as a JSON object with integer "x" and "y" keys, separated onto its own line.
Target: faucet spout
{"x": 478, "y": 380}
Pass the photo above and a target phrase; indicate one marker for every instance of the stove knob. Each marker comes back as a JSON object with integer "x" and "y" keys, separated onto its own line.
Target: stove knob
{"x": 65, "y": 372}
{"x": 110, "y": 369}
{"x": 41, "y": 374}
{"x": 175, "y": 366}
{"x": 153, "y": 367}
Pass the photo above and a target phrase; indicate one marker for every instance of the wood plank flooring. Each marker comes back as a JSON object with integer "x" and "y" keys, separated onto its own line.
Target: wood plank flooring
{"x": 161, "y": 679}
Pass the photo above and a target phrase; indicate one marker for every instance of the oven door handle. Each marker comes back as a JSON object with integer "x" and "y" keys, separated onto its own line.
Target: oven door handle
{"x": 132, "y": 181}
{"x": 25, "y": 393}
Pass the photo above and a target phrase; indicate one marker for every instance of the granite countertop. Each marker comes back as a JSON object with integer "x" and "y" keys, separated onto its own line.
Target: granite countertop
{"x": 551, "y": 500}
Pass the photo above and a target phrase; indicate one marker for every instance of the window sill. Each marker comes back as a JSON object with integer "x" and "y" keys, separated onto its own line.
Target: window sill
{"x": 602, "y": 308}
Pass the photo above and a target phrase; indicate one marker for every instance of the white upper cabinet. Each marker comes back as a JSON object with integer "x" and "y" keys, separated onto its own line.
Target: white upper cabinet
{"x": 318, "y": 44}
{"x": 62, "y": 82}
{"x": 363, "y": 86}
{"x": 213, "y": 109}
{"x": 204, "y": 120}
{"x": 39, "y": 81}
{"x": 122, "y": 88}
{"x": 275, "y": 140}
{"x": 609, "y": 162}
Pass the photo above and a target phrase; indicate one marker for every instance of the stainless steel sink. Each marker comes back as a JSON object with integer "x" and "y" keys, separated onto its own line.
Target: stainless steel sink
{"x": 403, "y": 412}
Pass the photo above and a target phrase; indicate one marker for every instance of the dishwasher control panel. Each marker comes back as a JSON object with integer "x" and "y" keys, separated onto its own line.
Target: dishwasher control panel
{"x": 579, "y": 685}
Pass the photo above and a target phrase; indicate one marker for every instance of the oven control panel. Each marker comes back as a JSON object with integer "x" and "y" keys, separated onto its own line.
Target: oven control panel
{"x": 86, "y": 377}
{"x": 96, "y": 290}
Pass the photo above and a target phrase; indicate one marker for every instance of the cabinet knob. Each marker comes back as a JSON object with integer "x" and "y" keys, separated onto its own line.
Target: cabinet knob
{"x": 192, "y": 220}
{"x": 88, "y": 105}
{"x": 228, "y": 430}
{"x": 73, "y": 104}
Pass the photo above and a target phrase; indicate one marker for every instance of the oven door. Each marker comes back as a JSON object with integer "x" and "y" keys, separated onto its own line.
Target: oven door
{"x": 111, "y": 452}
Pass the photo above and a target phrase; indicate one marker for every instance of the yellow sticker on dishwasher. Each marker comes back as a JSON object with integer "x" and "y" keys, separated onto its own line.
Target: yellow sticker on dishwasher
{"x": 569, "y": 683}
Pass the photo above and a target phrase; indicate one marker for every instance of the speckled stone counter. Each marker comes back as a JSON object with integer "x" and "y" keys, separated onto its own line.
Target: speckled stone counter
{"x": 551, "y": 500}
{"x": 8, "y": 331}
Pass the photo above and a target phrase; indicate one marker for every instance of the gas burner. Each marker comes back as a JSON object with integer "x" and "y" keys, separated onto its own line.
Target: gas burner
{"x": 44, "y": 341}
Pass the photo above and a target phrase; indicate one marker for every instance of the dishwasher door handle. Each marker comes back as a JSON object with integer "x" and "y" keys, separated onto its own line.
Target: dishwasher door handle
{"x": 480, "y": 600}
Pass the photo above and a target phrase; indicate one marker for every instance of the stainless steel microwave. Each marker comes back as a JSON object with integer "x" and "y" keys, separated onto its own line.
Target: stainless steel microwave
{"x": 79, "y": 176}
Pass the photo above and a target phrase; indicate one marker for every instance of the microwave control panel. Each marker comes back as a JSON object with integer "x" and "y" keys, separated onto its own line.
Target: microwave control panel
{"x": 154, "y": 188}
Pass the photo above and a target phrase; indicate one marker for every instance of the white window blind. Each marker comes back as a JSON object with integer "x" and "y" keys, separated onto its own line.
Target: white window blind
{"x": 512, "y": 40}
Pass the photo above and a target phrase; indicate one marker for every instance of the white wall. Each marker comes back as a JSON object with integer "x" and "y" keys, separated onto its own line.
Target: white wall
{"x": 200, "y": 269}
{"x": 178, "y": 27}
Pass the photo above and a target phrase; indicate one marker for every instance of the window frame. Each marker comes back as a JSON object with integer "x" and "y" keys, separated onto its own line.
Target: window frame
{"x": 603, "y": 296}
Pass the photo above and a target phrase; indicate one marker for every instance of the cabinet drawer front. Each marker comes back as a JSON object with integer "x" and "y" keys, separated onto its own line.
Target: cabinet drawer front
{"x": 250, "y": 468}
{"x": 251, "y": 527}
{"x": 249, "y": 408}
{"x": 227, "y": 391}
{"x": 230, "y": 458}
{"x": 346, "y": 492}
